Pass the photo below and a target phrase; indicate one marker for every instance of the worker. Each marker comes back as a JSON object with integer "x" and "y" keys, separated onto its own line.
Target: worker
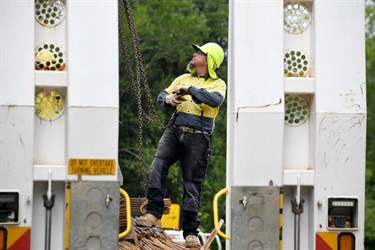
{"x": 196, "y": 96}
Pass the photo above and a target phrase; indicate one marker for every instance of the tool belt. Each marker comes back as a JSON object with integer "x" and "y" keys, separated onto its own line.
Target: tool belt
{"x": 190, "y": 130}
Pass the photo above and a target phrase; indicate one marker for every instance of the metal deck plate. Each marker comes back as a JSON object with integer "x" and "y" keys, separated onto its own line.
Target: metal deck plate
{"x": 255, "y": 218}
{"x": 94, "y": 224}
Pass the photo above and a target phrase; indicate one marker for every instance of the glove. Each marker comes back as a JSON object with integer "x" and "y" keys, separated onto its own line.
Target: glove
{"x": 181, "y": 90}
{"x": 174, "y": 99}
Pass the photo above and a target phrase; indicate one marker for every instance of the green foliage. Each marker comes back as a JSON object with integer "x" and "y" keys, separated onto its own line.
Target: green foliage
{"x": 166, "y": 31}
{"x": 370, "y": 151}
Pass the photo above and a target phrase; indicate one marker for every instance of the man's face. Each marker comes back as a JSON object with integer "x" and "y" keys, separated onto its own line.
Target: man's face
{"x": 199, "y": 59}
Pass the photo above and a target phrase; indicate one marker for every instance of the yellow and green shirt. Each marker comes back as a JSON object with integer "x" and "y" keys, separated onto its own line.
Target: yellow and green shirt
{"x": 201, "y": 106}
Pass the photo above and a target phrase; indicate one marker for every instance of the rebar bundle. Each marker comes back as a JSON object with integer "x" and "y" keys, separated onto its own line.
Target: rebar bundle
{"x": 145, "y": 238}
{"x": 150, "y": 238}
{"x": 137, "y": 208}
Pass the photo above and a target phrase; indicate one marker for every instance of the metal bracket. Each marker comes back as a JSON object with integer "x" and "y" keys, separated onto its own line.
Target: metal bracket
{"x": 295, "y": 208}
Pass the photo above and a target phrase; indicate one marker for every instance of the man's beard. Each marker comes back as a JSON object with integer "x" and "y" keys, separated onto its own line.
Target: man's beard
{"x": 191, "y": 65}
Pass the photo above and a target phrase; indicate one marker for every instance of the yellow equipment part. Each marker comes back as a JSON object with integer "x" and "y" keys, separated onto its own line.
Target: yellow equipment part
{"x": 67, "y": 215}
{"x": 3, "y": 238}
{"x": 281, "y": 219}
{"x": 172, "y": 220}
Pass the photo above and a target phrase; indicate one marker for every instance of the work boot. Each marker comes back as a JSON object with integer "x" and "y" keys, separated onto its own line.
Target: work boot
{"x": 191, "y": 241}
{"x": 148, "y": 220}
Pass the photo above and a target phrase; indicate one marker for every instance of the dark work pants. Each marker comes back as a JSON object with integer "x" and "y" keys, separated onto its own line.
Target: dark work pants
{"x": 191, "y": 150}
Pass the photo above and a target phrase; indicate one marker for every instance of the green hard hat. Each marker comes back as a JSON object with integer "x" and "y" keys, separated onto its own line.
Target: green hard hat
{"x": 215, "y": 56}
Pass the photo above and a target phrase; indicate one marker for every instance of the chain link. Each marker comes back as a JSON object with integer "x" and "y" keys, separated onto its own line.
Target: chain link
{"x": 135, "y": 83}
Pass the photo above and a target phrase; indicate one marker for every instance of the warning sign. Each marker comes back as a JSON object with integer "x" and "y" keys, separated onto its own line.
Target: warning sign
{"x": 92, "y": 166}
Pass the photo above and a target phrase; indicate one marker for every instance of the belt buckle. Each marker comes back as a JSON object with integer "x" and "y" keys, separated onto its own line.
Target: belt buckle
{"x": 184, "y": 129}
{"x": 187, "y": 130}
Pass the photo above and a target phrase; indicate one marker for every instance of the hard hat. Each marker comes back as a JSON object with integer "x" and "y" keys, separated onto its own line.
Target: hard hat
{"x": 215, "y": 56}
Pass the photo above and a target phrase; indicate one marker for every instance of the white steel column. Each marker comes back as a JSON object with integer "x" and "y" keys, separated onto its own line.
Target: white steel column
{"x": 17, "y": 103}
{"x": 340, "y": 118}
{"x": 93, "y": 82}
{"x": 255, "y": 95}
{"x": 93, "y": 123}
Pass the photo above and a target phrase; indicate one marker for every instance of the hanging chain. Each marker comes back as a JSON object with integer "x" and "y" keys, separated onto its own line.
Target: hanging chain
{"x": 135, "y": 83}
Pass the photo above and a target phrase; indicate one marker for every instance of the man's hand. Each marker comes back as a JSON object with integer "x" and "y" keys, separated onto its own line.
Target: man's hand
{"x": 174, "y": 99}
{"x": 181, "y": 90}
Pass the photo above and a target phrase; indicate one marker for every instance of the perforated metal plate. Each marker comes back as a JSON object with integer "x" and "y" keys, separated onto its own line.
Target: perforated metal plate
{"x": 49, "y": 104}
{"x": 49, "y": 13}
{"x": 94, "y": 223}
{"x": 49, "y": 56}
{"x": 255, "y": 223}
{"x": 296, "y": 110}
{"x": 297, "y": 17}
{"x": 296, "y": 63}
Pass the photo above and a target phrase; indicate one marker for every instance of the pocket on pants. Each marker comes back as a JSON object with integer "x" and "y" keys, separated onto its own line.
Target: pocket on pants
{"x": 200, "y": 174}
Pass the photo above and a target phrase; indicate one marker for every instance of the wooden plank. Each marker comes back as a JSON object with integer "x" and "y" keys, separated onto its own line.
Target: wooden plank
{"x": 208, "y": 242}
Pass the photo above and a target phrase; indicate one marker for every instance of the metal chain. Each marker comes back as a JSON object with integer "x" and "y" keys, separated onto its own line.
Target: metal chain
{"x": 135, "y": 84}
{"x": 139, "y": 65}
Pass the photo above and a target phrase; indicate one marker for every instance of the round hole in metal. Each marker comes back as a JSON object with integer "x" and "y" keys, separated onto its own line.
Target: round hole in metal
{"x": 296, "y": 63}
{"x": 49, "y": 104}
{"x": 297, "y": 17}
{"x": 296, "y": 110}
{"x": 48, "y": 53}
{"x": 49, "y": 13}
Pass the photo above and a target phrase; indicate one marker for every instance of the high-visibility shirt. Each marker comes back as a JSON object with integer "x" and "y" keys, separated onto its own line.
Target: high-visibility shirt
{"x": 201, "y": 106}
